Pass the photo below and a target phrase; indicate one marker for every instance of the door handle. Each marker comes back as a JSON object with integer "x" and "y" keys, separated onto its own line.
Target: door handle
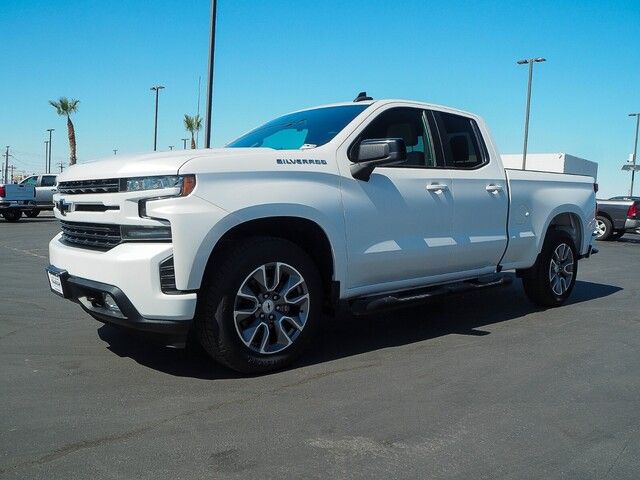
{"x": 437, "y": 187}
{"x": 492, "y": 188}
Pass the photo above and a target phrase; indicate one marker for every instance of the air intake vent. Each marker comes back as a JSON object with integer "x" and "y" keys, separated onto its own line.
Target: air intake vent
{"x": 168, "y": 277}
{"x": 99, "y": 236}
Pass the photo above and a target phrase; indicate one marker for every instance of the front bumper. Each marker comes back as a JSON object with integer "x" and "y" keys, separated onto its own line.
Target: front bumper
{"x": 131, "y": 271}
{"x": 90, "y": 296}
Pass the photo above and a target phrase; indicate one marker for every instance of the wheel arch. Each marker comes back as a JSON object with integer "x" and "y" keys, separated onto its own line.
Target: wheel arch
{"x": 303, "y": 232}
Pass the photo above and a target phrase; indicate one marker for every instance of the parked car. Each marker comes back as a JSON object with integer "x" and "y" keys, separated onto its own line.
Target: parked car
{"x": 14, "y": 199}
{"x": 364, "y": 205}
{"x": 45, "y": 186}
{"x": 617, "y": 216}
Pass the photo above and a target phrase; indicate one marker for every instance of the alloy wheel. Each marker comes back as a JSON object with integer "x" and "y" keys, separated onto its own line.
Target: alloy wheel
{"x": 271, "y": 308}
{"x": 561, "y": 269}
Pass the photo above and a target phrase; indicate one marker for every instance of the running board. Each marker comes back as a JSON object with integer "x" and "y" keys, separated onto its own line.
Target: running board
{"x": 375, "y": 303}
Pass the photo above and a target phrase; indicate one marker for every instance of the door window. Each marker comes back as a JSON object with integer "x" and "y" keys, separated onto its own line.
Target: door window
{"x": 460, "y": 141}
{"x": 408, "y": 124}
{"x": 30, "y": 181}
{"x": 48, "y": 180}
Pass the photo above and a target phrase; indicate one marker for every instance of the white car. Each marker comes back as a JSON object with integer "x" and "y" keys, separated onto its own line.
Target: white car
{"x": 364, "y": 205}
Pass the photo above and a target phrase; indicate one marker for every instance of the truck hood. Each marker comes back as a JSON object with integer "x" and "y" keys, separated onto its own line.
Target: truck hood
{"x": 157, "y": 163}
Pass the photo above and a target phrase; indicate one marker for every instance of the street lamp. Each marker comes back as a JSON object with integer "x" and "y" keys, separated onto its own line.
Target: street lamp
{"x": 635, "y": 151}
{"x": 184, "y": 142}
{"x": 157, "y": 89}
{"x": 530, "y": 62}
{"x": 50, "y": 130}
{"x": 170, "y": 147}
{"x": 46, "y": 155}
{"x": 212, "y": 44}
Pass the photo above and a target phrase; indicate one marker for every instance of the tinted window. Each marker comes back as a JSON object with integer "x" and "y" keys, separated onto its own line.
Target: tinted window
{"x": 460, "y": 142}
{"x": 48, "y": 180}
{"x": 30, "y": 181}
{"x": 409, "y": 125}
{"x": 309, "y": 128}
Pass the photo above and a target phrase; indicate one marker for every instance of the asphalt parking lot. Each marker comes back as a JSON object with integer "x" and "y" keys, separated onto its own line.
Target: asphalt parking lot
{"x": 475, "y": 386}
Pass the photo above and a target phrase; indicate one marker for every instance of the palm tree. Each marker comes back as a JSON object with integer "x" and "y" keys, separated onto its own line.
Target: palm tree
{"x": 66, "y": 107}
{"x": 192, "y": 124}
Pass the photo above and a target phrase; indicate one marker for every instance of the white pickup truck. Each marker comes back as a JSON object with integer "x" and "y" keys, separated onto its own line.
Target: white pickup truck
{"x": 364, "y": 205}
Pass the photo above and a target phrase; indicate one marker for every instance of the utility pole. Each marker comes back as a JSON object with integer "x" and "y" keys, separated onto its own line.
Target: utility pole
{"x": 61, "y": 167}
{"x": 115, "y": 151}
{"x": 46, "y": 155}
{"x": 12, "y": 167}
{"x": 184, "y": 142}
{"x": 212, "y": 45}
{"x": 530, "y": 62}
{"x": 635, "y": 151}
{"x": 6, "y": 165}
{"x": 50, "y": 130}
{"x": 157, "y": 89}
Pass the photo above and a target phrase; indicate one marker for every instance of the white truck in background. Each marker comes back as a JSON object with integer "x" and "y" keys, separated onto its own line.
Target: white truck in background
{"x": 363, "y": 205}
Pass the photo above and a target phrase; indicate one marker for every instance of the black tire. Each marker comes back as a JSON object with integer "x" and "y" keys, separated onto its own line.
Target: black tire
{"x": 215, "y": 323}
{"x": 12, "y": 215}
{"x": 607, "y": 228}
{"x": 32, "y": 213}
{"x": 537, "y": 282}
{"x": 617, "y": 235}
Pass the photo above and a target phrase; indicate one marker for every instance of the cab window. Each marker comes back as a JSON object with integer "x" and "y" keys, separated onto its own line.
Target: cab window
{"x": 33, "y": 180}
{"x": 460, "y": 141}
{"x": 48, "y": 180}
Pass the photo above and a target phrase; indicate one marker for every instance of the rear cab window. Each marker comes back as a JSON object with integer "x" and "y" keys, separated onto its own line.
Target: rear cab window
{"x": 462, "y": 143}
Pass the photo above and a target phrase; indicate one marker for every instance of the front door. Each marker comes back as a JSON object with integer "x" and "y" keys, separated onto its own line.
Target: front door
{"x": 398, "y": 224}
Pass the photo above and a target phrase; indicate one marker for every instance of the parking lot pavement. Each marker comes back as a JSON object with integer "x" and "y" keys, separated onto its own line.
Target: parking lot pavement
{"x": 480, "y": 385}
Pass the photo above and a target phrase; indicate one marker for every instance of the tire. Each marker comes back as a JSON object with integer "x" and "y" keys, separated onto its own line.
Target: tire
{"x": 604, "y": 228}
{"x": 617, "y": 235}
{"x": 12, "y": 215}
{"x": 544, "y": 286}
{"x": 241, "y": 328}
{"x": 32, "y": 213}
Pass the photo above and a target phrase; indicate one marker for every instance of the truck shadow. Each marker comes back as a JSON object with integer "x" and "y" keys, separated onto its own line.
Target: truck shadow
{"x": 346, "y": 335}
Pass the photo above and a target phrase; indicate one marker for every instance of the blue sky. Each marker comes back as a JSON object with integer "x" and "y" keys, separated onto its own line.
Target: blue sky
{"x": 276, "y": 56}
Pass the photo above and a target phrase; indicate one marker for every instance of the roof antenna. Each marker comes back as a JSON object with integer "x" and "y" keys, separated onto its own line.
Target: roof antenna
{"x": 362, "y": 97}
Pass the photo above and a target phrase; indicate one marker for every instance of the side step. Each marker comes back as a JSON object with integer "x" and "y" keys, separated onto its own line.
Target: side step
{"x": 374, "y": 303}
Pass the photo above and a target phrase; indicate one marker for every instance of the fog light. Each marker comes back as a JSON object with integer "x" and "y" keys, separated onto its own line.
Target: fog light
{"x": 110, "y": 304}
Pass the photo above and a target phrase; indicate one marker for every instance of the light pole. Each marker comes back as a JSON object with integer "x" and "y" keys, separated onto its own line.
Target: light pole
{"x": 157, "y": 89}
{"x": 46, "y": 155}
{"x": 530, "y": 62}
{"x": 212, "y": 45}
{"x": 635, "y": 151}
{"x": 115, "y": 151}
{"x": 50, "y": 130}
{"x": 184, "y": 142}
{"x": 170, "y": 147}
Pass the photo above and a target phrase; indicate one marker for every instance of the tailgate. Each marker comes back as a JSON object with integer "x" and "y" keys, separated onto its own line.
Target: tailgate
{"x": 15, "y": 192}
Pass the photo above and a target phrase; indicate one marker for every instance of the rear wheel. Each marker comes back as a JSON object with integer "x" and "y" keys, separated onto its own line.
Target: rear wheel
{"x": 12, "y": 215}
{"x": 261, "y": 306}
{"x": 604, "y": 228}
{"x": 551, "y": 280}
{"x": 32, "y": 213}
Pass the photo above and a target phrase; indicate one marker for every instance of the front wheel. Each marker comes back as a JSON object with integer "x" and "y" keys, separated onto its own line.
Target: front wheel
{"x": 261, "y": 305}
{"x": 551, "y": 280}
{"x": 12, "y": 215}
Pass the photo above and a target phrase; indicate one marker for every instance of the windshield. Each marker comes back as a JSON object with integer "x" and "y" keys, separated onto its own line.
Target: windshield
{"x": 307, "y": 129}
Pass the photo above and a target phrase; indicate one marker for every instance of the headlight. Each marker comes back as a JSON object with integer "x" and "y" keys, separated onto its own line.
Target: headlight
{"x": 183, "y": 184}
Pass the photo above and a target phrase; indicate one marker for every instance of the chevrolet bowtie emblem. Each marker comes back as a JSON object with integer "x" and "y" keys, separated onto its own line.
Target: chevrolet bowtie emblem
{"x": 63, "y": 207}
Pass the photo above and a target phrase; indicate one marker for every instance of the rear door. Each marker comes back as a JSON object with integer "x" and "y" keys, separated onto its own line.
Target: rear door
{"x": 480, "y": 197}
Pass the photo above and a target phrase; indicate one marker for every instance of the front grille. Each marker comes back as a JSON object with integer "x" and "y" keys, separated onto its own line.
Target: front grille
{"x": 76, "y": 187}
{"x": 99, "y": 236}
{"x": 167, "y": 276}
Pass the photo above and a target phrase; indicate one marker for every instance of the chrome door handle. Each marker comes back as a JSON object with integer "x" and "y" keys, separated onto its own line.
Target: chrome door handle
{"x": 437, "y": 187}
{"x": 491, "y": 188}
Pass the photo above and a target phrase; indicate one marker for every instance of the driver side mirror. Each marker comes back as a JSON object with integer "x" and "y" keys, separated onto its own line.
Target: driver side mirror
{"x": 377, "y": 153}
